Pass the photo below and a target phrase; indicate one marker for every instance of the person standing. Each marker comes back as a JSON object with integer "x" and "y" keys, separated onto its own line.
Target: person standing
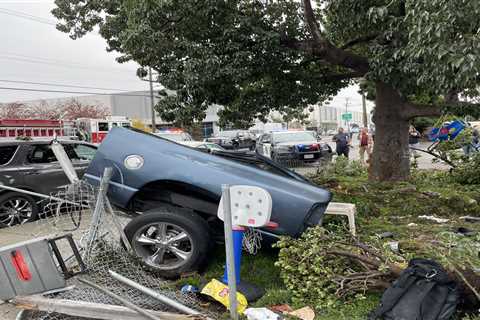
{"x": 342, "y": 141}
{"x": 413, "y": 138}
{"x": 365, "y": 144}
{"x": 473, "y": 145}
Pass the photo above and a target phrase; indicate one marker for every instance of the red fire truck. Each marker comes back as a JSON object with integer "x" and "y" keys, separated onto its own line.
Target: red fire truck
{"x": 95, "y": 130}
{"x": 13, "y": 128}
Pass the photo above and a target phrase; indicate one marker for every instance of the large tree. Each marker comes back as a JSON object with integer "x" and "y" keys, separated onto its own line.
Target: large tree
{"x": 253, "y": 57}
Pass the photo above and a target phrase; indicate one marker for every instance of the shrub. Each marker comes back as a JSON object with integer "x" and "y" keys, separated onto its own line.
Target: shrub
{"x": 468, "y": 172}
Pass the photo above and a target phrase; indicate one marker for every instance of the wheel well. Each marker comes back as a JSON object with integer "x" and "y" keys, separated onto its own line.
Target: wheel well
{"x": 175, "y": 193}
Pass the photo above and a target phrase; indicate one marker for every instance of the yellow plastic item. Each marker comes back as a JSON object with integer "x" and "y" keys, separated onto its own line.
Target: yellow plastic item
{"x": 219, "y": 292}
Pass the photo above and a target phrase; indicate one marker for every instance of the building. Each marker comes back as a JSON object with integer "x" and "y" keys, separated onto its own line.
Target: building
{"x": 328, "y": 116}
{"x": 136, "y": 105}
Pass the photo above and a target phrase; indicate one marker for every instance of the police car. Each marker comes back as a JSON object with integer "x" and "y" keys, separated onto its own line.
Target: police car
{"x": 293, "y": 145}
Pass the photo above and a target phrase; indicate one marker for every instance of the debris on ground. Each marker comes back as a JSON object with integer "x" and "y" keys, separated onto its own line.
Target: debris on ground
{"x": 219, "y": 291}
{"x": 281, "y": 308}
{"x": 305, "y": 313}
{"x": 261, "y": 314}
{"x": 433, "y": 218}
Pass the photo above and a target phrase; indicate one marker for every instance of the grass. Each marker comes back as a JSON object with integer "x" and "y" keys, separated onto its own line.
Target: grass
{"x": 381, "y": 207}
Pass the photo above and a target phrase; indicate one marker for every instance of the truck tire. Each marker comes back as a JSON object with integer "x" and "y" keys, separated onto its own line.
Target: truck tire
{"x": 170, "y": 240}
{"x": 17, "y": 208}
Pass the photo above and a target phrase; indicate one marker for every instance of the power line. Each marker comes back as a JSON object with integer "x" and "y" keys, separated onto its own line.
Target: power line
{"x": 76, "y": 92}
{"x": 61, "y": 64}
{"x": 61, "y": 85}
{"x": 27, "y": 16}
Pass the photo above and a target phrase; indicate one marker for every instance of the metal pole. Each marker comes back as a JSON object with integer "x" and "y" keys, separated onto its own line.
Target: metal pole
{"x": 152, "y": 102}
{"x": 228, "y": 228}
{"x": 41, "y": 195}
{"x": 120, "y": 230}
{"x": 153, "y": 294}
{"x": 99, "y": 209}
{"x": 125, "y": 302}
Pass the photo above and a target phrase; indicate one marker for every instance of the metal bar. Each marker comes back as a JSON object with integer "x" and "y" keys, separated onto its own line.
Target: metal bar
{"x": 228, "y": 228}
{"x": 86, "y": 310}
{"x": 40, "y": 195}
{"x": 59, "y": 257}
{"x": 98, "y": 212}
{"x": 64, "y": 161}
{"x": 120, "y": 230}
{"x": 125, "y": 302}
{"x": 149, "y": 292}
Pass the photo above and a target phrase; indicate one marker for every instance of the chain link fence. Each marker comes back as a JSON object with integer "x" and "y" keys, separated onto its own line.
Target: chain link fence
{"x": 99, "y": 241}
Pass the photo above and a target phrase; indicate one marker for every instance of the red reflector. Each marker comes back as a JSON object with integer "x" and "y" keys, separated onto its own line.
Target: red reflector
{"x": 21, "y": 266}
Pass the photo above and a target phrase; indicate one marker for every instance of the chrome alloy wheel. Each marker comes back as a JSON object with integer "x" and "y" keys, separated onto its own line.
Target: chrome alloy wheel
{"x": 15, "y": 210}
{"x": 162, "y": 245}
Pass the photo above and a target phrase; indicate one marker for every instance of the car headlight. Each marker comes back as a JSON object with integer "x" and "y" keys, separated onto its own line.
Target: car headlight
{"x": 283, "y": 148}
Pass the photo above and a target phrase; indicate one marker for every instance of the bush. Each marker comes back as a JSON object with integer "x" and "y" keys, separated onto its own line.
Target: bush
{"x": 468, "y": 172}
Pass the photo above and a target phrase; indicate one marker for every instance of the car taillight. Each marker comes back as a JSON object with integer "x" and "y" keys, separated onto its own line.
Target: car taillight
{"x": 20, "y": 266}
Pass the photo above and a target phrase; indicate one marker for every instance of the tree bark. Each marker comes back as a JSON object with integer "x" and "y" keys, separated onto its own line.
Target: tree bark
{"x": 391, "y": 156}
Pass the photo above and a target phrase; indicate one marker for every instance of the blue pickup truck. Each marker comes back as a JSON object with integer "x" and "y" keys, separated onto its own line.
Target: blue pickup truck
{"x": 174, "y": 190}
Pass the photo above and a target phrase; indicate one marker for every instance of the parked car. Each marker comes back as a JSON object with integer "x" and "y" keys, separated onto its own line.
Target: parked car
{"x": 202, "y": 145}
{"x": 174, "y": 135}
{"x": 234, "y": 139}
{"x": 293, "y": 145}
{"x": 176, "y": 190}
{"x": 31, "y": 165}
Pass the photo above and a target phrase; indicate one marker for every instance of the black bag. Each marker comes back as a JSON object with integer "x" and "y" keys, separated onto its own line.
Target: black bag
{"x": 422, "y": 292}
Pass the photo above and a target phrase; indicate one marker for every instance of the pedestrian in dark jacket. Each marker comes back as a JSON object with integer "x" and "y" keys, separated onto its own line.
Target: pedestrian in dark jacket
{"x": 342, "y": 140}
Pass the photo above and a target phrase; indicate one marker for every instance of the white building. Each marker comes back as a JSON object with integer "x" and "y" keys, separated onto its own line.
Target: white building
{"x": 328, "y": 116}
{"x": 137, "y": 105}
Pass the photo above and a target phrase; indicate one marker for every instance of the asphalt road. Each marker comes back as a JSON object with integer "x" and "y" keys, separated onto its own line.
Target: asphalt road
{"x": 425, "y": 161}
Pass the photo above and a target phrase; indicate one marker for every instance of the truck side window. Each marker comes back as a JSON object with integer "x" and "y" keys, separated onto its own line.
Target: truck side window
{"x": 6, "y": 154}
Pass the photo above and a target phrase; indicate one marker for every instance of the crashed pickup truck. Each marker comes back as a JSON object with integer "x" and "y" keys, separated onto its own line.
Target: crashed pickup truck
{"x": 174, "y": 190}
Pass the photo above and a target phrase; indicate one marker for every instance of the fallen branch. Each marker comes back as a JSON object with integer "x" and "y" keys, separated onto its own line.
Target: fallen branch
{"x": 395, "y": 270}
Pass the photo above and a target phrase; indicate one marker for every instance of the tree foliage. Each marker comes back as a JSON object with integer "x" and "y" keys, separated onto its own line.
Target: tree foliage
{"x": 254, "y": 57}
{"x": 211, "y": 51}
{"x": 68, "y": 110}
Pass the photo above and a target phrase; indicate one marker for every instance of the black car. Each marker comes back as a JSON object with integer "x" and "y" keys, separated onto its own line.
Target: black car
{"x": 234, "y": 139}
{"x": 293, "y": 145}
{"x": 32, "y": 165}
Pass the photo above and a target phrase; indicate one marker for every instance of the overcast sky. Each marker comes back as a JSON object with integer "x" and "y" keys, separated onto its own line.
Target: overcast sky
{"x": 32, "y": 50}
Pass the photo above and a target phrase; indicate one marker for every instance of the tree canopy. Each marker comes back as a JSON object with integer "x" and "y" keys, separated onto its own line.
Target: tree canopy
{"x": 256, "y": 56}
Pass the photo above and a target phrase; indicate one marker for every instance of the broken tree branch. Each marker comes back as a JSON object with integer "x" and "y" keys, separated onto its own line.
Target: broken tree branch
{"x": 395, "y": 270}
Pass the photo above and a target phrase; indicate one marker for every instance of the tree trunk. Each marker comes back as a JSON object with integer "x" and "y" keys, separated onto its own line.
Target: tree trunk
{"x": 391, "y": 158}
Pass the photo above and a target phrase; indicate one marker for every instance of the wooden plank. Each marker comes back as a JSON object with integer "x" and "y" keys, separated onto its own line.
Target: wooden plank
{"x": 89, "y": 309}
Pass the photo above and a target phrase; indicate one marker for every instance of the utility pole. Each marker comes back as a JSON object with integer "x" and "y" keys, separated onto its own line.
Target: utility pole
{"x": 152, "y": 103}
{"x": 364, "y": 107}
{"x": 346, "y": 111}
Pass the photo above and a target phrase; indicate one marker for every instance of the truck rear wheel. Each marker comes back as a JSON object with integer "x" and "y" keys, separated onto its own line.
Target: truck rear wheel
{"x": 171, "y": 240}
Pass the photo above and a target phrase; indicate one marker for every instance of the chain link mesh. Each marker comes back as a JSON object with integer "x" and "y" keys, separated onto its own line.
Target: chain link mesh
{"x": 252, "y": 241}
{"x": 74, "y": 215}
